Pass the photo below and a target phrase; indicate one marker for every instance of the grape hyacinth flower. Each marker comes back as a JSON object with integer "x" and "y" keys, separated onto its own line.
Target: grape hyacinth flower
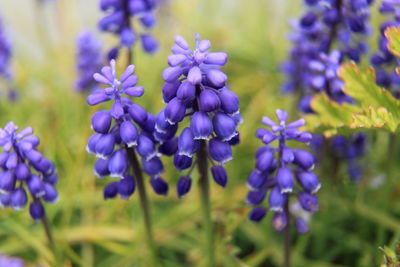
{"x": 118, "y": 21}
{"x": 121, "y": 134}
{"x": 26, "y": 177}
{"x": 281, "y": 173}
{"x": 89, "y": 61}
{"x": 195, "y": 88}
{"x": 124, "y": 129}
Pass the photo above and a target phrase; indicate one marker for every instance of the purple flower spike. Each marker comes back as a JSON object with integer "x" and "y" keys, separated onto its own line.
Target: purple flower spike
{"x": 124, "y": 132}
{"x": 274, "y": 170}
{"x": 195, "y": 87}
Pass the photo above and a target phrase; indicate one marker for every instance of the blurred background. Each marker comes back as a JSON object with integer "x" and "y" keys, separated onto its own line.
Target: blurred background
{"x": 354, "y": 219}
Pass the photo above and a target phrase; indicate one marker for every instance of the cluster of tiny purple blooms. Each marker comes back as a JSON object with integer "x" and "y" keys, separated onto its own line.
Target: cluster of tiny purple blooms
{"x": 25, "y": 170}
{"x": 281, "y": 173}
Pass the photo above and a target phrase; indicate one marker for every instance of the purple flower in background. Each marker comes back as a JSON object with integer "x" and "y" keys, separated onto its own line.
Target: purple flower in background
{"x": 5, "y": 53}
{"x": 7, "y": 261}
{"x": 118, "y": 21}
{"x": 383, "y": 60}
{"x": 88, "y": 61}
{"x": 195, "y": 88}
{"x": 26, "y": 175}
{"x": 281, "y": 173}
{"x": 126, "y": 125}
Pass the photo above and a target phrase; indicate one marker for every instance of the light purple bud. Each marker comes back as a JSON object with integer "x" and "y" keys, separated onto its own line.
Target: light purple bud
{"x": 3, "y": 159}
{"x": 209, "y": 101}
{"x": 201, "y": 125}
{"x": 179, "y": 40}
{"x": 33, "y": 156}
{"x": 128, "y": 133}
{"x": 194, "y": 75}
{"x": 224, "y": 126}
{"x": 135, "y": 91}
{"x": 204, "y": 45}
{"x": 97, "y": 97}
{"x": 216, "y": 58}
{"x": 229, "y": 101}
{"x": 112, "y": 22}
{"x": 176, "y": 59}
{"x": 101, "y": 121}
{"x": 219, "y": 150}
{"x": 216, "y": 77}
{"x": 281, "y": 115}
{"x": 117, "y": 110}
{"x": 296, "y": 124}
{"x": 186, "y": 92}
{"x": 171, "y": 74}
{"x": 309, "y": 181}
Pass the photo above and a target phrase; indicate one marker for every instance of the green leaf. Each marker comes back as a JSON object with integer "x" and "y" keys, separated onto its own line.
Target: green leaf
{"x": 393, "y": 36}
{"x": 374, "y": 108}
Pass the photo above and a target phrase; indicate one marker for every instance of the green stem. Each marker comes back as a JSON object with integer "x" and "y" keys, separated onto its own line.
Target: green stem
{"x": 205, "y": 202}
{"x": 144, "y": 202}
{"x": 287, "y": 243}
{"x": 50, "y": 239}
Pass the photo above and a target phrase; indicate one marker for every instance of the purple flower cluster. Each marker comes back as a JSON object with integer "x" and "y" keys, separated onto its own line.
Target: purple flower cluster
{"x": 350, "y": 150}
{"x": 7, "y": 261}
{"x": 24, "y": 169}
{"x": 89, "y": 61}
{"x": 118, "y": 21}
{"x": 126, "y": 125}
{"x": 195, "y": 87}
{"x": 278, "y": 169}
{"x": 329, "y": 32}
{"x": 5, "y": 53}
{"x": 383, "y": 60}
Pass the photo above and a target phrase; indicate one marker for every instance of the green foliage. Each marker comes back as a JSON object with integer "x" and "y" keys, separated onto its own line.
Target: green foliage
{"x": 391, "y": 257}
{"x": 374, "y": 108}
